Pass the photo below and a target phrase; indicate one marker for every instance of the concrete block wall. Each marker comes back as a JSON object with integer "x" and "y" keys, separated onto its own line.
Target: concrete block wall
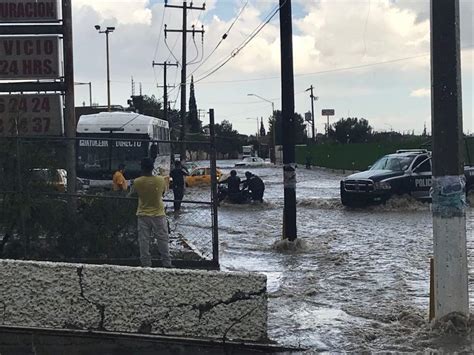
{"x": 188, "y": 303}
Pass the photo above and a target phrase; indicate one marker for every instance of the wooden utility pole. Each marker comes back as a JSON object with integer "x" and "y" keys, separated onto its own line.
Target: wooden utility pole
{"x": 449, "y": 214}
{"x": 184, "y": 31}
{"x": 69, "y": 112}
{"x": 214, "y": 197}
{"x": 165, "y": 86}
{"x": 288, "y": 120}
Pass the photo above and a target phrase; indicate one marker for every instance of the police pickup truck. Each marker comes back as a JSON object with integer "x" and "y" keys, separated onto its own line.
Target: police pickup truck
{"x": 404, "y": 172}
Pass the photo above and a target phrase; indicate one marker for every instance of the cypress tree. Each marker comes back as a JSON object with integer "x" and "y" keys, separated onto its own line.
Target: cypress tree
{"x": 193, "y": 119}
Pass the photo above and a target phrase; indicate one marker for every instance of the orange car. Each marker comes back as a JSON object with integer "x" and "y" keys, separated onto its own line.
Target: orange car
{"x": 201, "y": 177}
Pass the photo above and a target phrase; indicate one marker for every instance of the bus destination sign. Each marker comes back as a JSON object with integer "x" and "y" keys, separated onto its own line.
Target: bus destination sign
{"x": 28, "y": 10}
{"x": 99, "y": 143}
{"x": 29, "y": 57}
{"x": 30, "y": 115}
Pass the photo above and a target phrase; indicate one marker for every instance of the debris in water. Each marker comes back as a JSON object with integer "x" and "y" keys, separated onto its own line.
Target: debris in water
{"x": 286, "y": 245}
{"x": 453, "y": 323}
{"x": 404, "y": 202}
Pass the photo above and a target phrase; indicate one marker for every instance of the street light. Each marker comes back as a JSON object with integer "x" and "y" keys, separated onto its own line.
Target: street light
{"x": 254, "y": 118}
{"x": 90, "y": 90}
{"x": 273, "y": 156}
{"x": 107, "y": 31}
{"x": 256, "y": 136}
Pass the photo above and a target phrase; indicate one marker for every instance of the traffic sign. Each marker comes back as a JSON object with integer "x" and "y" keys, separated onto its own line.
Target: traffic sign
{"x": 30, "y": 115}
{"x": 28, "y": 10}
{"x": 328, "y": 112}
{"x": 29, "y": 57}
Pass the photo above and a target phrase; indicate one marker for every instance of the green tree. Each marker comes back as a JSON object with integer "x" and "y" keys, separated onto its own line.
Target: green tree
{"x": 151, "y": 106}
{"x": 351, "y": 130}
{"x": 300, "y": 128}
{"x": 194, "y": 122}
{"x": 228, "y": 140}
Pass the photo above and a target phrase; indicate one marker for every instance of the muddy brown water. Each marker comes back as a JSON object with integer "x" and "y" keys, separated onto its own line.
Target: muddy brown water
{"x": 360, "y": 279}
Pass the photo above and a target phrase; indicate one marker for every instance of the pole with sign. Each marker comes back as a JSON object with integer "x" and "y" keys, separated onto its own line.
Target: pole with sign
{"x": 327, "y": 113}
{"x": 30, "y": 33}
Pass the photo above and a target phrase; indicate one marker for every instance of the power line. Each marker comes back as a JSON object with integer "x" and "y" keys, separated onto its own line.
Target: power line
{"x": 224, "y": 36}
{"x": 195, "y": 59}
{"x": 158, "y": 45}
{"x": 242, "y": 45}
{"x": 362, "y": 66}
{"x": 184, "y": 31}
{"x": 322, "y": 71}
{"x": 171, "y": 50}
{"x": 161, "y": 31}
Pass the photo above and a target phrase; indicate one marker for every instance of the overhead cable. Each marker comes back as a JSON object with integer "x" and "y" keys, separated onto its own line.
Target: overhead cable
{"x": 224, "y": 36}
{"x": 242, "y": 45}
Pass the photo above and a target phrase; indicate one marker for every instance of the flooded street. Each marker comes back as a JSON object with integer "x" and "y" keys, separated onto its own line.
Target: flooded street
{"x": 361, "y": 280}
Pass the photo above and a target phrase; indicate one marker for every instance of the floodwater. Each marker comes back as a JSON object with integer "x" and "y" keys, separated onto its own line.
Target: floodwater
{"x": 360, "y": 279}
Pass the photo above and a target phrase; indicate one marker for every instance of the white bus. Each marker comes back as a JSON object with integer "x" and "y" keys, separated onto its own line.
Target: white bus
{"x": 98, "y": 158}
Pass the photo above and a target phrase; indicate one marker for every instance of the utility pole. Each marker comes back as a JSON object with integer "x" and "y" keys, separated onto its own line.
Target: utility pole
{"x": 288, "y": 120}
{"x": 313, "y": 98}
{"x": 70, "y": 117}
{"x": 184, "y": 31}
{"x": 214, "y": 197}
{"x": 449, "y": 214}
{"x": 165, "y": 86}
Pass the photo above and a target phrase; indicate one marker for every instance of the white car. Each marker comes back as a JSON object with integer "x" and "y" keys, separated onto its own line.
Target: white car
{"x": 253, "y": 162}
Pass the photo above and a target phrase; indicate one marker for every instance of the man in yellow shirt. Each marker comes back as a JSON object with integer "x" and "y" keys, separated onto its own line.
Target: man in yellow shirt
{"x": 151, "y": 214}
{"x": 119, "y": 183}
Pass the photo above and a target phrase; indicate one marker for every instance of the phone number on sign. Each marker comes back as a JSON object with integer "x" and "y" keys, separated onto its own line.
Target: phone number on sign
{"x": 24, "y": 125}
{"x": 23, "y": 104}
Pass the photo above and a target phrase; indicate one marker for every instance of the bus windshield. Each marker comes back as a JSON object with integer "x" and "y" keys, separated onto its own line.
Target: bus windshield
{"x": 99, "y": 158}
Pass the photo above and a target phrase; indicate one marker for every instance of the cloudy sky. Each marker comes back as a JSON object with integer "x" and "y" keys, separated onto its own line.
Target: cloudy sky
{"x": 366, "y": 58}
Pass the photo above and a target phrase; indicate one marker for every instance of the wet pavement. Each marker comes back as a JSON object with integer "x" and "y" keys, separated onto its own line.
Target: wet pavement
{"x": 360, "y": 280}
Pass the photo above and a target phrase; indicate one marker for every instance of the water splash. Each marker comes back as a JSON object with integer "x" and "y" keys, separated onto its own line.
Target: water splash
{"x": 287, "y": 246}
{"x": 402, "y": 203}
{"x": 321, "y": 203}
{"x": 453, "y": 323}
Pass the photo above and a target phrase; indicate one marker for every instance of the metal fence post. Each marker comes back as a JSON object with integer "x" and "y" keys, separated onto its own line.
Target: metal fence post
{"x": 21, "y": 194}
{"x": 214, "y": 198}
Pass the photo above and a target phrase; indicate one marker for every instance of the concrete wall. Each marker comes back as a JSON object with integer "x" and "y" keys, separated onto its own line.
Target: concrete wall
{"x": 137, "y": 300}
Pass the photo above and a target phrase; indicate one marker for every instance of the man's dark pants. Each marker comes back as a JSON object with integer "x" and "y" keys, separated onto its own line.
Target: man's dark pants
{"x": 257, "y": 195}
{"x": 178, "y": 196}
